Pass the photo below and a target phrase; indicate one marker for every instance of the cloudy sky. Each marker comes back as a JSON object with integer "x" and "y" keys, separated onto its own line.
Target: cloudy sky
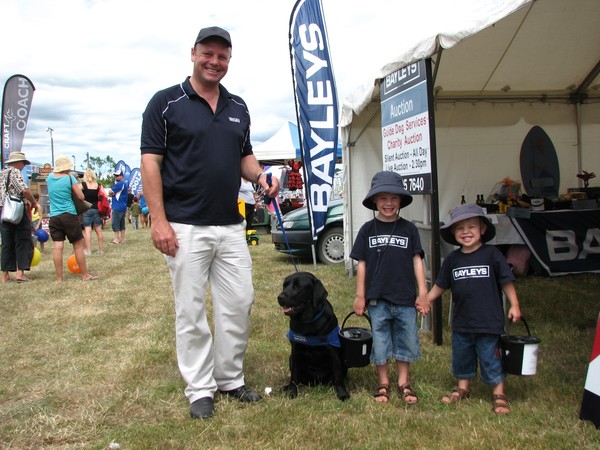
{"x": 96, "y": 63}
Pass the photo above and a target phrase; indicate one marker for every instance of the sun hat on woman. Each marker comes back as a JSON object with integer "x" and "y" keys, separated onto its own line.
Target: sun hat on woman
{"x": 63, "y": 164}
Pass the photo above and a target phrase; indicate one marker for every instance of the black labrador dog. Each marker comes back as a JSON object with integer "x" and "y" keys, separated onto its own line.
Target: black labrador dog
{"x": 313, "y": 334}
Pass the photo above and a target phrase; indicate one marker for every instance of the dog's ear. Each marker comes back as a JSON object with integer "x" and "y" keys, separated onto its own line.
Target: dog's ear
{"x": 319, "y": 292}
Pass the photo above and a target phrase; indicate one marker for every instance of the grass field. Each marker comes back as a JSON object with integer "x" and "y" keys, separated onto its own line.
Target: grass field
{"x": 87, "y": 364}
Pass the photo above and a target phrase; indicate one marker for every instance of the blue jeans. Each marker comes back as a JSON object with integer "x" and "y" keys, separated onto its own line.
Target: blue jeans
{"x": 395, "y": 332}
{"x": 467, "y": 348}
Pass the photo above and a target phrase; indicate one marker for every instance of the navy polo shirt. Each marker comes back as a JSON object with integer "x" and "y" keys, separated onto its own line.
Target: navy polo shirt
{"x": 202, "y": 152}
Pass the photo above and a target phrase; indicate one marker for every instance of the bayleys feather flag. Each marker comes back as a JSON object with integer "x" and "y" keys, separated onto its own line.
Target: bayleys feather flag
{"x": 316, "y": 106}
{"x": 16, "y": 104}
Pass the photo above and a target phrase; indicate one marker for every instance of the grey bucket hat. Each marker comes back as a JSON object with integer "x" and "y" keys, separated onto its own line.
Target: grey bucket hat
{"x": 464, "y": 212}
{"x": 390, "y": 182}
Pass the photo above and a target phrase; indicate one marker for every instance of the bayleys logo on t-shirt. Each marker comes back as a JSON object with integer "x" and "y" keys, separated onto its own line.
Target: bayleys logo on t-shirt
{"x": 393, "y": 241}
{"x": 461, "y": 273}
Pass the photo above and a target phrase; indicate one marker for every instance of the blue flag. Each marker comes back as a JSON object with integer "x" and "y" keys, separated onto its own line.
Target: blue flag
{"x": 316, "y": 106}
{"x": 122, "y": 167}
{"x": 135, "y": 181}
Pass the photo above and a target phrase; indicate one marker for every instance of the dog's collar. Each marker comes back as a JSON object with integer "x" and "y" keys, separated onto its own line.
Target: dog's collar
{"x": 315, "y": 318}
{"x": 332, "y": 338}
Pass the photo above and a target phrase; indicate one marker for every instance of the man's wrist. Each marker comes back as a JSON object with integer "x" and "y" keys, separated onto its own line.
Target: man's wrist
{"x": 258, "y": 177}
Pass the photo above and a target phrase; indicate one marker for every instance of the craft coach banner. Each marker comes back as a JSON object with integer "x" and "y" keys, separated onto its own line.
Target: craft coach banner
{"x": 16, "y": 104}
{"x": 316, "y": 105}
{"x": 563, "y": 242}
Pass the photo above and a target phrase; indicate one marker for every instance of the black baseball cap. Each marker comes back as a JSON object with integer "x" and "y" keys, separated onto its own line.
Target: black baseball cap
{"x": 213, "y": 32}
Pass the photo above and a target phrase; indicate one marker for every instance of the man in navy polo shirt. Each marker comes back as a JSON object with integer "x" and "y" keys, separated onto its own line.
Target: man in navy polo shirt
{"x": 195, "y": 148}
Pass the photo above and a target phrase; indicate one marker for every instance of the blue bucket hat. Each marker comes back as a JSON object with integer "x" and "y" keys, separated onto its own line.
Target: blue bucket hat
{"x": 464, "y": 212}
{"x": 390, "y": 182}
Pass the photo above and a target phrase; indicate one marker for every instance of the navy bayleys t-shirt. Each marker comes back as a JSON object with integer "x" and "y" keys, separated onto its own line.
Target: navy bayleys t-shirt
{"x": 388, "y": 249}
{"x": 475, "y": 280}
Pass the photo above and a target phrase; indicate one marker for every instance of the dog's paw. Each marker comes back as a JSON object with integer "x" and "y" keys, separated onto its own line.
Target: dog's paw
{"x": 342, "y": 393}
{"x": 291, "y": 390}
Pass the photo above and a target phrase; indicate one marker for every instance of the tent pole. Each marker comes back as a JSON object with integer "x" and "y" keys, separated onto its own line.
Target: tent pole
{"x": 435, "y": 213}
{"x": 579, "y": 151}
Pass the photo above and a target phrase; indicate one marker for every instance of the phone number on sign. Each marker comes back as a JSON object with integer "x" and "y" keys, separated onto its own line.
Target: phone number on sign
{"x": 414, "y": 184}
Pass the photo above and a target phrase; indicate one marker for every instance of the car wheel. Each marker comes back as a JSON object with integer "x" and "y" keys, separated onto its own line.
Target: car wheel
{"x": 330, "y": 248}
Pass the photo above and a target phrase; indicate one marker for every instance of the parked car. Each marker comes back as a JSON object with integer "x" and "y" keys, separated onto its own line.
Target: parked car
{"x": 330, "y": 244}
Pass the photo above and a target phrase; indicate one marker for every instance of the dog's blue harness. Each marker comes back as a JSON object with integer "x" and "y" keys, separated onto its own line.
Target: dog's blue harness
{"x": 332, "y": 338}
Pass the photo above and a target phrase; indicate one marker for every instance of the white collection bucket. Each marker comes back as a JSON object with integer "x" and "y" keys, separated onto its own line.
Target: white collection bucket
{"x": 519, "y": 353}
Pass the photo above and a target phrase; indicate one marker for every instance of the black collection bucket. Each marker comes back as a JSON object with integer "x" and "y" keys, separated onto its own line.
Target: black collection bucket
{"x": 519, "y": 353}
{"x": 356, "y": 344}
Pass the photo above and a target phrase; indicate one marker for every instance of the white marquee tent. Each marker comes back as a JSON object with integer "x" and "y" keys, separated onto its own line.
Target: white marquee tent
{"x": 529, "y": 62}
{"x": 280, "y": 147}
{"x": 283, "y": 146}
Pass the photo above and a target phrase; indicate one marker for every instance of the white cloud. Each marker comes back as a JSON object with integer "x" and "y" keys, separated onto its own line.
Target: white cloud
{"x": 96, "y": 63}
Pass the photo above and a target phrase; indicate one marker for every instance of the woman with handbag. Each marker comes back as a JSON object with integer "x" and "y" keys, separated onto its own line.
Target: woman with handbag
{"x": 17, "y": 243}
{"x": 63, "y": 191}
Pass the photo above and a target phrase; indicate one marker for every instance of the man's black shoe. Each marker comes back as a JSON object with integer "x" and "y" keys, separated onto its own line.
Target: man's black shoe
{"x": 243, "y": 394}
{"x": 203, "y": 408}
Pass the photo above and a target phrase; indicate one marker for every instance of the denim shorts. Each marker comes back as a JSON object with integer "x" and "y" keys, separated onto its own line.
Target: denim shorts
{"x": 92, "y": 218}
{"x": 468, "y": 348}
{"x": 395, "y": 332}
{"x": 118, "y": 220}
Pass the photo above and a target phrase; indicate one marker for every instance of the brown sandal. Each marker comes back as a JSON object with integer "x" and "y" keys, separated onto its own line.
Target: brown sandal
{"x": 381, "y": 391}
{"x": 500, "y": 401}
{"x": 455, "y": 396}
{"x": 406, "y": 390}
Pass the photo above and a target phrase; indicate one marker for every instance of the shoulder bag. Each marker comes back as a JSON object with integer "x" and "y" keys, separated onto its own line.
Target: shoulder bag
{"x": 80, "y": 205}
{"x": 13, "y": 207}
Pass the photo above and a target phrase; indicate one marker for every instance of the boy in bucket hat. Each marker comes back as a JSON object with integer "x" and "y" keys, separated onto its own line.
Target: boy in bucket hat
{"x": 474, "y": 273}
{"x": 390, "y": 269}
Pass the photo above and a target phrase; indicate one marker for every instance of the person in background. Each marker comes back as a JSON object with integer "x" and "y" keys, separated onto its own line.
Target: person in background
{"x": 196, "y": 147}
{"x": 135, "y": 212}
{"x": 129, "y": 202}
{"x": 247, "y": 194}
{"x": 92, "y": 218}
{"x": 64, "y": 221}
{"x": 144, "y": 215}
{"x": 36, "y": 221}
{"x": 478, "y": 310}
{"x": 119, "y": 206}
{"x": 17, "y": 242}
{"x": 390, "y": 270}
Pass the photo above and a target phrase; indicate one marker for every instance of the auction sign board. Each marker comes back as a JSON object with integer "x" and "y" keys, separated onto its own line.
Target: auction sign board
{"x": 407, "y": 128}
